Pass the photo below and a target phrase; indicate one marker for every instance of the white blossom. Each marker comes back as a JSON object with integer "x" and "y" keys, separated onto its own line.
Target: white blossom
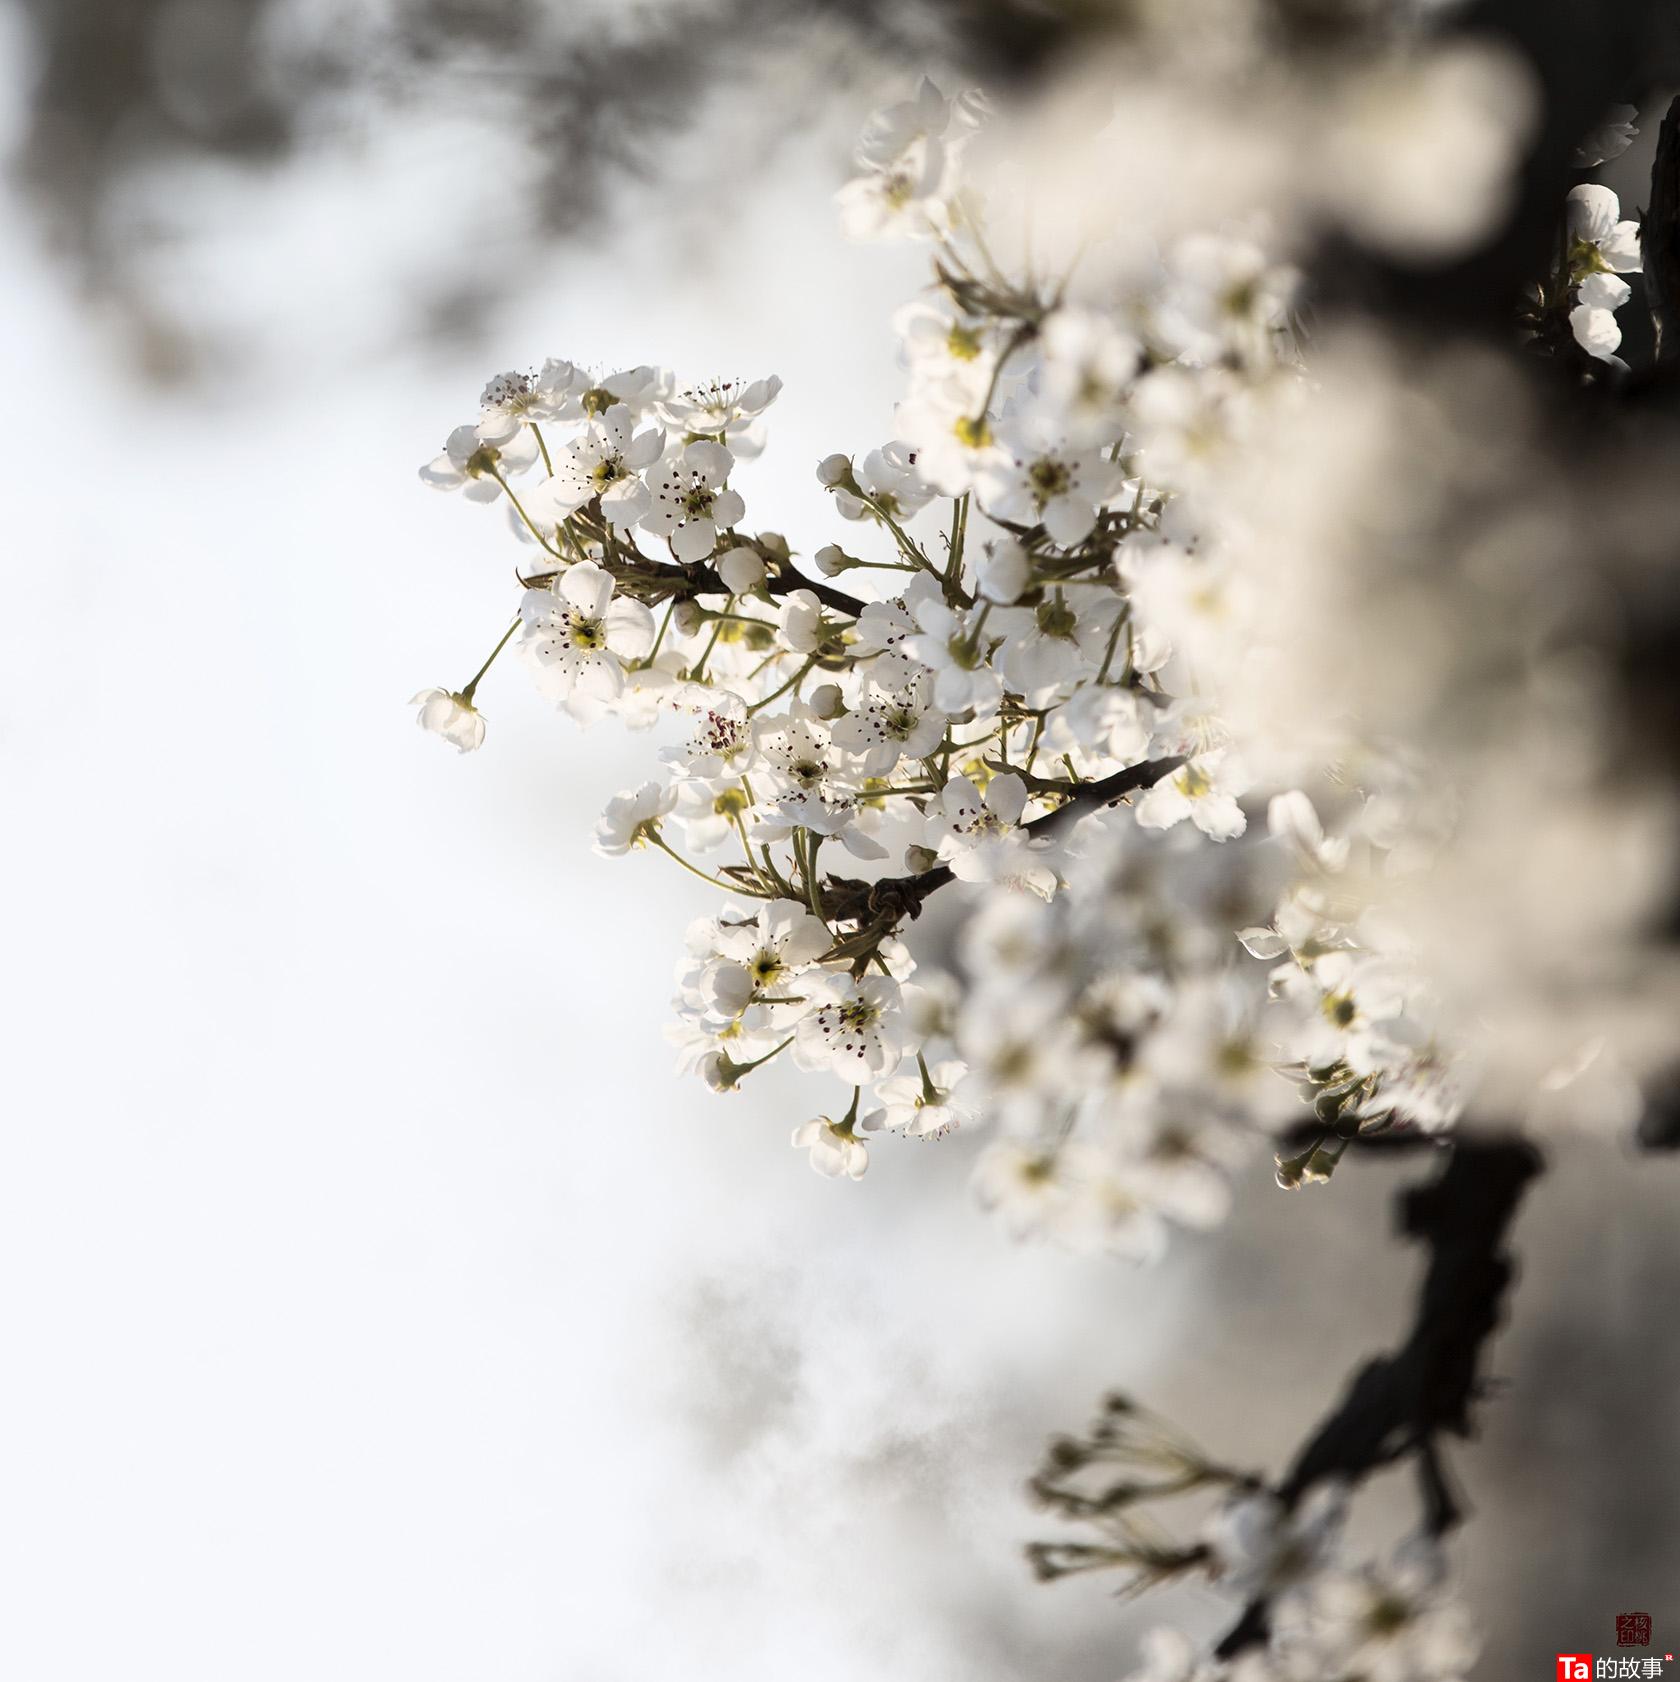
{"x": 451, "y": 716}
{"x": 581, "y": 632}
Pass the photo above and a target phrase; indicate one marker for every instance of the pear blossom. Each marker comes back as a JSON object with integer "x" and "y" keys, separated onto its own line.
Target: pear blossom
{"x": 1003, "y": 571}
{"x": 856, "y": 1030}
{"x": 630, "y": 818}
{"x": 1602, "y": 248}
{"x": 741, "y": 569}
{"x": 1205, "y": 790}
{"x": 950, "y": 349}
{"x": 1052, "y": 485}
{"x": 722, "y": 744}
{"x": 954, "y": 648}
{"x": 605, "y": 461}
{"x": 1262, "y": 1547}
{"x": 779, "y": 943}
{"x": 888, "y": 478}
{"x": 1340, "y": 1001}
{"x": 1600, "y": 240}
{"x": 581, "y": 632}
{"x": 476, "y": 465}
{"x": 1050, "y": 647}
{"x": 1025, "y": 1186}
{"x": 835, "y": 1148}
{"x": 513, "y": 400}
{"x": 728, "y": 410}
{"x": 1612, "y": 137}
{"x": 925, "y": 1106}
{"x": 707, "y": 813}
{"x": 954, "y": 439}
{"x": 904, "y": 159}
{"x": 451, "y": 716}
{"x": 1226, "y": 296}
{"x": 1390, "y": 1622}
{"x": 640, "y": 390}
{"x": 691, "y": 501}
{"x": 799, "y": 621}
{"x": 887, "y": 726}
{"x": 1087, "y": 362}
{"x": 981, "y": 838}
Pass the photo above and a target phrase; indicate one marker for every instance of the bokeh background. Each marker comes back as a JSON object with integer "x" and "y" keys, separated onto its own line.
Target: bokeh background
{"x": 375, "y": 1300}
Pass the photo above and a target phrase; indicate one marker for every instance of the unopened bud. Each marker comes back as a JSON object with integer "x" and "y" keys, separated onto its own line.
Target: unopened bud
{"x": 686, "y": 618}
{"x": 832, "y": 559}
{"x": 834, "y": 470}
{"x": 719, "y": 1071}
{"x": 920, "y": 860}
{"x": 826, "y": 700}
{"x": 741, "y": 570}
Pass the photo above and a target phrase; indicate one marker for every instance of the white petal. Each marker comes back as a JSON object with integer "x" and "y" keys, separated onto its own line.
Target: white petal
{"x": 711, "y": 461}
{"x": 1621, "y": 248}
{"x": 1592, "y": 212}
{"x": 1069, "y": 520}
{"x": 1595, "y": 331}
{"x": 588, "y": 588}
{"x": 694, "y": 540}
{"x": 1605, "y": 291}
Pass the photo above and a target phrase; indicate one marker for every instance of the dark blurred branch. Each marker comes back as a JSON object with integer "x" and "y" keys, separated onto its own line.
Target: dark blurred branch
{"x": 1405, "y": 1402}
{"x": 1659, "y": 238}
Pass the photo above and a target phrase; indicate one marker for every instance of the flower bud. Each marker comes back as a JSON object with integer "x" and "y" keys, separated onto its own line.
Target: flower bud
{"x": 920, "y": 860}
{"x": 719, "y": 1071}
{"x": 686, "y": 618}
{"x": 826, "y": 700}
{"x": 831, "y": 559}
{"x": 834, "y": 470}
{"x": 741, "y": 570}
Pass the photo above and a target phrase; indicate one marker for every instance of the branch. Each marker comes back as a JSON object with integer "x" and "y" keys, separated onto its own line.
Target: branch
{"x": 1403, "y": 1402}
{"x": 1659, "y": 238}
{"x": 894, "y": 898}
{"x": 705, "y": 582}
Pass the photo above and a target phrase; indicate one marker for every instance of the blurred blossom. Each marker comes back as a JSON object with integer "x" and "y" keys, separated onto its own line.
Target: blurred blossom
{"x": 1424, "y": 596}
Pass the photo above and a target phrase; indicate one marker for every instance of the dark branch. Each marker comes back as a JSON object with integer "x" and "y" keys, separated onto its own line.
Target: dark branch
{"x": 1403, "y": 1403}
{"x": 894, "y": 898}
{"x": 1659, "y": 238}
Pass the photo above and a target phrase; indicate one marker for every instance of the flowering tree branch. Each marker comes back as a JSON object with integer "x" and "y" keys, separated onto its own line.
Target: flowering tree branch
{"x": 1400, "y": 1404}
{"x": 896, "y": 897}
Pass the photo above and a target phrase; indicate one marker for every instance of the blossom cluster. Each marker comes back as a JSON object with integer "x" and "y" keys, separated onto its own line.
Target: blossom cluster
{"x": 1050, "y": 676}
{"x": 835, "y": 757}
{"x": 1308, "y": 1608}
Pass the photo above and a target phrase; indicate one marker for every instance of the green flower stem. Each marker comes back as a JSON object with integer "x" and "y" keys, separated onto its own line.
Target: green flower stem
{"x": 519, "y": 508}
{"x": 542, "y": 444}
{"x": 776, "y": 694}
{"x": 693, "y": 869}
{"x": 471, "y": 689}
{"x": 959, "y": 536}
{"x": 813, "y": 845}
{"x": 759, "y": 1062}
